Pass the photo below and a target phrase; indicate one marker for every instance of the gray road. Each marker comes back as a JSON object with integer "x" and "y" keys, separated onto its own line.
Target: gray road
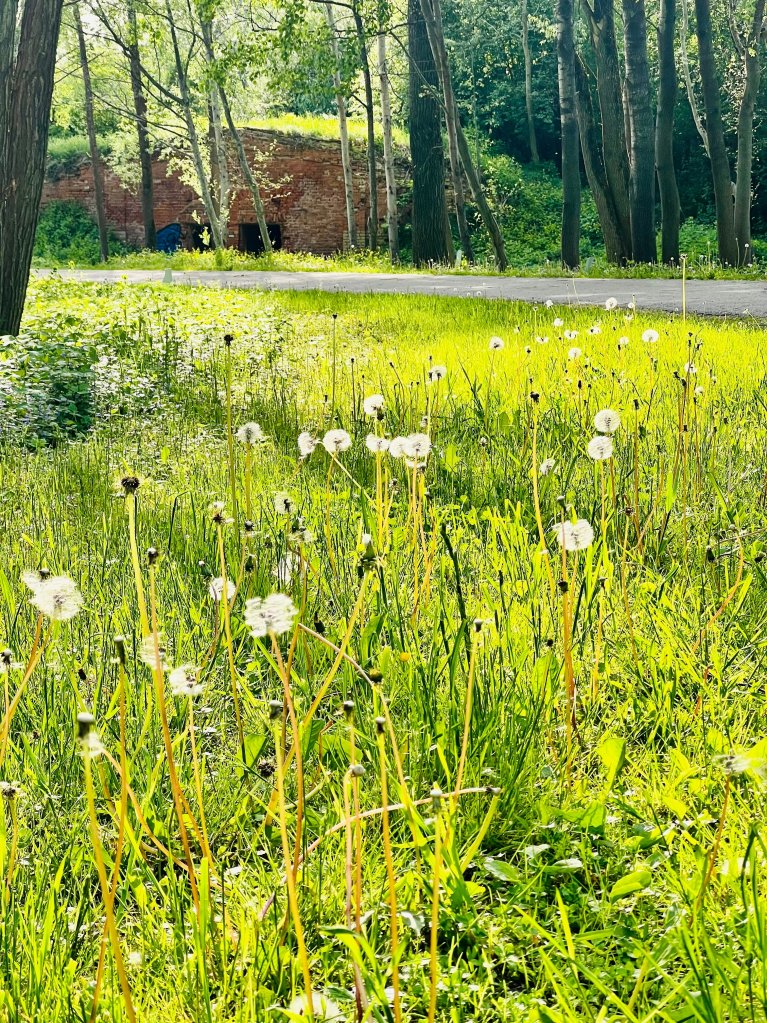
{"x": 708, "y": 298}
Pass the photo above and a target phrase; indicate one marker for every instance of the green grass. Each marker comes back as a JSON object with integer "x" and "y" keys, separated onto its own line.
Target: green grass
{"x": 613, "y": 873}
{"x": 324, "y": 126}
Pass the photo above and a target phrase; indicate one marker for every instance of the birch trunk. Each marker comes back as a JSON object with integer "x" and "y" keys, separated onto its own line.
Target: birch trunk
{"x": 664, "y": 134}
{"x": 532, "y": 138}
{"x": 367, "y": 81}
{"x": 90, "y": 123}
{"x": 571, "y": 183}
{"x": 142, "y": 131}
{"x": 343, "y": 131}
{"x": 392, "y": 225}
{"x": 641, "y": 133}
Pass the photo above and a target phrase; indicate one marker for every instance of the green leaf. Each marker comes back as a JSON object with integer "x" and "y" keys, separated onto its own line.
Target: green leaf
{"x": 630, "y": 884}
{"x": 501, "y": 870}
{"x": 612, "y": 753}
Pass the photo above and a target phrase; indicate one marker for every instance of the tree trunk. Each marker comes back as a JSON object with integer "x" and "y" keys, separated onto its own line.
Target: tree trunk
{"x": 601, "y": 21}
{"x": 220, "y": 162}
{"x": 343, "y": 131}
{"x": 750, "y": 52}
{"x": 436, "y": 42}
{"x": 683, "y": 32}
{"x": 594, "y": 166}
{"x": 720, "y": 164}
{"x": 664, "y": 133}
{"x": 571, "y": 179}
{"x": 534, "y": 155}
{"x": 142, "y": 131}
{"x": 367, "y": 81}
{"x": 480, "y": 199}
{"x": 239, "y": 148}
{"x": 194, "y": 141}
{"x": 641, "y": 135}
{"x": 93, "y": 146}
{"x": 432, "y": 242}
{"x": 392, "y": 222}
{"x": 27, "y": 66}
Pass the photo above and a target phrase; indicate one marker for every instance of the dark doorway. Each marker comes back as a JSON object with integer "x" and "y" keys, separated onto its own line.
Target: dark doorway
{"x": 250, "y": 238}
{"x": 200, "y": 237}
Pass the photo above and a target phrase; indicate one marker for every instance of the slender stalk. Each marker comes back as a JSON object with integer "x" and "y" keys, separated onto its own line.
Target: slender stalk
{"x": 390, "y": 874}
{"x": 226, "y": 614}
{"x": 468, "y": 705}
{"x": 435, "y": 882}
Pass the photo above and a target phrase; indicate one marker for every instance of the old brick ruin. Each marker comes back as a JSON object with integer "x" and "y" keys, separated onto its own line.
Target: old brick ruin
{"x": 301, "y": 180}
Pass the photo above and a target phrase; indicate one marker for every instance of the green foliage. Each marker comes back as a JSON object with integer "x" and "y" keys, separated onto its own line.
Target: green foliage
{"x": 66, "y": 233}
{"x": 67, "y": 152}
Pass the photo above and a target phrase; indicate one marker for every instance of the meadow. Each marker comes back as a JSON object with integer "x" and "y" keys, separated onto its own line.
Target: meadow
{"x": 497, "y": 753}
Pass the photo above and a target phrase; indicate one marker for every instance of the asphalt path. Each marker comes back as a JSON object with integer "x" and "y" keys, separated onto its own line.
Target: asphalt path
{"x": 735, "y": 299}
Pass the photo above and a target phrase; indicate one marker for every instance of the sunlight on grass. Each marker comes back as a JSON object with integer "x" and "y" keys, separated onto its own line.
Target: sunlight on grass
{"x": 415, "y": 649}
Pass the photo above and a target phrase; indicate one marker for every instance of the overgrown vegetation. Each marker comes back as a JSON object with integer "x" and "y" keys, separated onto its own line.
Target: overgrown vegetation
{"x": 602, "y": 707}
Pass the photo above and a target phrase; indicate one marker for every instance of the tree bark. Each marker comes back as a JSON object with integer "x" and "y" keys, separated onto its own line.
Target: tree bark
{"x": 367, "y": 81}
{"x": 532, "y": 138}
{"x": 432, "y": 242}
{"x": 641, "y": 133}
{"x": 239, "y": 148}
{"x": 194, "y": 141}
{"x": 392, "y": 222}
{"x": 594, "y": 166}
{"x": 683, "y": 33}
{"x": 720, "y": 163}
{"x": 571, "y": 180}
{"x": 343, "y": 131}
{"x": 27, "y": 66}
{"x": 750, "y": 53}
{"x": 432, "y": 19}
{"x": 142, "y": 131}
{"x": 664, "y": 133}
{"x": 93, "y": 146}
{"x": 601, "y": 22}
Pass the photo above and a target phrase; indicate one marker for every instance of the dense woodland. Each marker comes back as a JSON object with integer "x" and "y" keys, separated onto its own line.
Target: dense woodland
{"x": 648, "y": 111}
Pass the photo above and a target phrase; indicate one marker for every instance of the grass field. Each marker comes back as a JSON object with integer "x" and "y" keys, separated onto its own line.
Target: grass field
{"x": 467, "y": 776}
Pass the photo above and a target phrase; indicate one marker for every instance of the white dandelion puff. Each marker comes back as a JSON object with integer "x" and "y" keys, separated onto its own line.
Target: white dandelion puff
{"x": 306, "y": 444}
{"x": 285, "y": 569}
{"x": 496, "y": 344}
{"x": 542, "y": 339}
{"x": 607, "y": 421}
{"x": 650, "y": 336}
{"x": 549, "y": 303}
{"x": 417, "y": 447}
{"x": 610, "y": 304}
{"x": 397, "y": 447}
{"x": 270, "y": 615}
{"x": 623, "y": 342}
{"x": 596, "y": 329}
{"x": 283, "y": 503}
{"x": 250, "y": 434}
{"x": 336, "y": 441}
{"x": 183, "y": 681}
{"x": 373, "y": 405}
{"x": 574, "y": 353}
{"x": 153, "y": 652}
{"x": 600, "y": 448}
{"x": 376, "y": 445}
{"x": 437, "y": 373}
{"x": 558, "y": 322}
{"x": 575, "y": 536}
{"x": 216, "y": 589}
{"x": 57, "y": 597}
{"x": 547, "y": 466}
{"x": 570, "y": 335}
{"x": 690, "y": 369}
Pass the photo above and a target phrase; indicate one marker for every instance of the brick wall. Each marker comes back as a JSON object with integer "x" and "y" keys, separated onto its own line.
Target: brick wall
{"x": 303, "y": 193}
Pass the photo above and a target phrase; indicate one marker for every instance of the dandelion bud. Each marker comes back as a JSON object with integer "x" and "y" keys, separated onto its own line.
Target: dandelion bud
{"x": 357, "y": 770}
{"x": 710, "y": 554}
{"x": 380, "y": 723}
{"x": 436, "y": 797}
{"x": 563, "y": 585}
{"x": 152, "y": 555}
{"x": 348, "y": 706}
{"x": 6, "y": 658}
{"x": 561, "y": 499}
{"x": 275, "y": 709}
{"x": 375, "y": 675}
{"x": 217, "y": 512}
{"x": 549, "y": 642}
{"x": 228, "y": 338}
{"x": 9, "y": 790}
{"x": 130, "y": 484}
{"x": 119, "y": 642}
{"x": 319, "y": 626}
{"x": 535, "y": 397}
{"x": 478, "y": 624}
{"x": 85, "y": 723}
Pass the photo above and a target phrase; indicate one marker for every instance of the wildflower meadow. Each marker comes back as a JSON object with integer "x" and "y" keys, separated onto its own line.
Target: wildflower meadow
{"x": 380, "y": 658}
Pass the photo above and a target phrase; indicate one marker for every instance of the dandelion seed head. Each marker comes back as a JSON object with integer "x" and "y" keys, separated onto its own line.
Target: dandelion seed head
{"x": 376, "y": 445}
{"x": 397, "y": 447}
{"x": 373, "y": 405}
{"x": 623, "y": 342}
{"x": 600, "y": 448}
{"x": 574, "y": 353}
{"x": 574, "y": 536}
{"x": 547, "y": 466}
{"x": 57, "y": 597}
{"x": 437, "y": 373}
{"x": 496, "y": 344}
{"x": 610, "y": 304}
{"x": 270, "y": 615}
{"x": 183, "y": 681}
{"x": 558, "y": 322}
{"x": 650, "y": 336}
{"x": 570, "y": 335}
{"x": 542, "y": 339}
{"x": 283, "y": 503}
{"x": 216, "y": 589}
{"x": 336, "y": 441}
{"x": 306, "y": 444}
{"x": 250, "y": 434}
{"x": 154, "y": 654}
{"x": 607, "y": 421}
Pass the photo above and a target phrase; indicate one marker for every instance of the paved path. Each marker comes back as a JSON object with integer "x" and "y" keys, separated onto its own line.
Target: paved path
{"x": 708, "y": 298}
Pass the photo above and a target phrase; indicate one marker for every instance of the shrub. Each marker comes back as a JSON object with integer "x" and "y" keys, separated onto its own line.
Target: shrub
{"x": 66, "y": 233}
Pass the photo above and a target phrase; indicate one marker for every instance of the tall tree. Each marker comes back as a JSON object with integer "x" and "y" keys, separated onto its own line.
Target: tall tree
{"x": 97, "y": 168}
{"x": 343, "y": 129}
{"x": 27, "y": 65}
{"x": 439, "y": 53}
{"x": 571, "y": 180}
{"x": 749, "y": 45}
{"x": 600, "y": 16}
{"x": 641, "y": 133}
{"x": 142, "y": 127}
{"x": 431, "y": 238}
{"x": 664, "y": 133}
{"x": 367, "y": 82}
{"x": 392, "y": 221}
{"x": 720, "y": 162}
{"x": 528, "y": 57}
